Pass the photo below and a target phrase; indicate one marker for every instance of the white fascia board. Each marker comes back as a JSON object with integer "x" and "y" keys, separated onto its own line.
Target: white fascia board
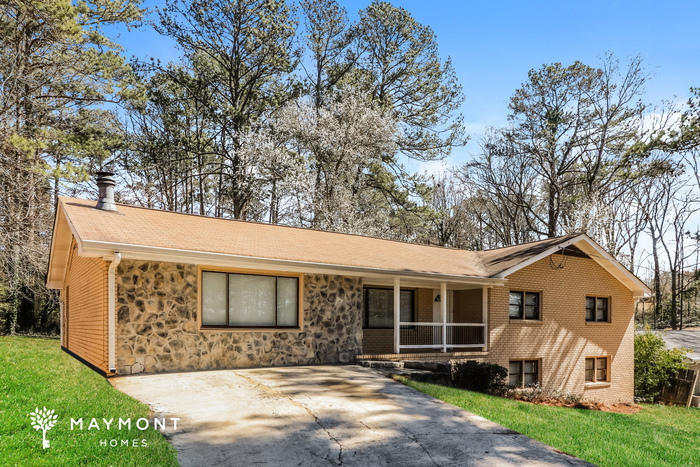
{"x": 640, "y": 288}
{"x": 147, "y": 253}
{"x": 56, "y": 274}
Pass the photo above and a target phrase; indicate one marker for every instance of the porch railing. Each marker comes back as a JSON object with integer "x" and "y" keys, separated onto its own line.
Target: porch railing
{"x": 430, "y": 335}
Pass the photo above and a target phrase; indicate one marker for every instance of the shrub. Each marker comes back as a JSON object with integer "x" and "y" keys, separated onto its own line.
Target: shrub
{"x": 480, "y": 377}
{"x": 537, "y": 393}
{"x": 654, "y": 364}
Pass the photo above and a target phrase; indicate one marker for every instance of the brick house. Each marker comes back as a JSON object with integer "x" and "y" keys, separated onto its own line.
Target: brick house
{"x": 144, "y": 290}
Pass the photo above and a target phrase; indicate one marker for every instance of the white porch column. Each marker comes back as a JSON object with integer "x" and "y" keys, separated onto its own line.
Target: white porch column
{"x": 443, "y": 311}
{"x": 485, "y": 315}
{"x": 397, "y": 315}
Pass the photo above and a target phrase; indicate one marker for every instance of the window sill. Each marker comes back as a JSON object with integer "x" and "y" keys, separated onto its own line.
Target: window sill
{"x": 526, "y": 321}
{"x": 224, "y": 329}
{"x": 598, "y": 323}
{"x": 603, "y": 384}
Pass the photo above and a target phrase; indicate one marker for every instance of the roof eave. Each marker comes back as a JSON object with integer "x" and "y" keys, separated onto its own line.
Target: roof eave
{"x": 59, "y": 251}
{"x": 94, "y": 248}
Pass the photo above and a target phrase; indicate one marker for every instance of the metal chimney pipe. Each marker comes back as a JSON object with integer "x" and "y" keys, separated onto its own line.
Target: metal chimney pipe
{"x": 105, "y": 185}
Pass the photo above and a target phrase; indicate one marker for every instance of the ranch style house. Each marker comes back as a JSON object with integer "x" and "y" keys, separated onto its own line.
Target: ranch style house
{"x": 147, "y": 291}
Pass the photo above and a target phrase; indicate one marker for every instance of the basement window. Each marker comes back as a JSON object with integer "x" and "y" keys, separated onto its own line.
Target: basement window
{"x": 524, "y": 305}
{"x": 249, "y": 300}
{"x": 597, "y": 370}
{"x": 597, "y": 310}
{"x": 523, "y": 373}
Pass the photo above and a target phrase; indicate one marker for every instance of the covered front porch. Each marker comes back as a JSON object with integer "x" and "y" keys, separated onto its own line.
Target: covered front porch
{"x": 425, "y": 318}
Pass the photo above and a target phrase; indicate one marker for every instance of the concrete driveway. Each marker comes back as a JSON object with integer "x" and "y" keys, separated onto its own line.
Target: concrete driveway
{"x": 324, "y": 415}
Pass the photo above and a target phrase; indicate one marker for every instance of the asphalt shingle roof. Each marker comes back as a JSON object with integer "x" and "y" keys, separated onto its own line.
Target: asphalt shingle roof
{"x": 154, "y": 228}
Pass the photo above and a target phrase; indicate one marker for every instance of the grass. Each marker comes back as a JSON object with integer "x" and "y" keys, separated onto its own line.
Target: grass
{"x": 656, "y": 435}
{"x": 34, "y": 372}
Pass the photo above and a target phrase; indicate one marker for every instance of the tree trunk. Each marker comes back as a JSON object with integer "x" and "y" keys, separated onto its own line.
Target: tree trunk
{"x": 674, "y": 299}
{"x": 657, "y": 279}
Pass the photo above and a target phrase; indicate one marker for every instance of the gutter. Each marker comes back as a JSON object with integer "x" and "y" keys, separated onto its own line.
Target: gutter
{"x": 94, "y": 248}
{"x": 111, "y": 313}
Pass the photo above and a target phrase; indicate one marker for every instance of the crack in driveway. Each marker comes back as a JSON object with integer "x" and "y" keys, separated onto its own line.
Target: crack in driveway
{"x": 268, "y": 389}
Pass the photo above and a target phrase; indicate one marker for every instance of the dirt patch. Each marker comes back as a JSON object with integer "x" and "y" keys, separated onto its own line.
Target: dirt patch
{"x": 616, "y": 408}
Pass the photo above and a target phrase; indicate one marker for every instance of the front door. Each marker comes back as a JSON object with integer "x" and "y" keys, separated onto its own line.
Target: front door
{"x": 437, "y": 313}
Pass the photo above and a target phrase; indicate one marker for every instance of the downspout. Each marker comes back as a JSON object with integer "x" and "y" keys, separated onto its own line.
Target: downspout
{"x": 111, "y": 311}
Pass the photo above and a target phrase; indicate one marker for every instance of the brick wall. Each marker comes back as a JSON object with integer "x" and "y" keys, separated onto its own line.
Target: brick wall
{"x": 84, "y": 297}
{"x": 562, "y": 339}
{"x": 467, "y": 306}
{"x": 377, "y": 341}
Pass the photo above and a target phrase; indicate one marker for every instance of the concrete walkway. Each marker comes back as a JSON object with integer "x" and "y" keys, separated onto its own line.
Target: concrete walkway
{"x": 324, "y": 415}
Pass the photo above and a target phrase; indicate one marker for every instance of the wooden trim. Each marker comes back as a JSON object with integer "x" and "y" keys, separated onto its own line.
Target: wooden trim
{"x": 608, "y": 368}
{"x": 524, "y": 319}
{"x": 522, "y": 369}
{"x": 256, "y": 272}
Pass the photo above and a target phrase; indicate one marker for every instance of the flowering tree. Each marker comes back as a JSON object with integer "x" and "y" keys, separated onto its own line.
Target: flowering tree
{"x": 345, "y": 142}
{"x": 43, "y": 420}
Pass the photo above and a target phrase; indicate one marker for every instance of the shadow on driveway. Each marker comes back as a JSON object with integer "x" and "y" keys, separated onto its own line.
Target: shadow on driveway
{"x": 324, "y": 415}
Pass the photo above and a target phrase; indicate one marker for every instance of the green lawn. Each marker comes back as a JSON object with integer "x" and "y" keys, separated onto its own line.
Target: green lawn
{"x": 656, "y": 435}
{"x": 34, "y": 372}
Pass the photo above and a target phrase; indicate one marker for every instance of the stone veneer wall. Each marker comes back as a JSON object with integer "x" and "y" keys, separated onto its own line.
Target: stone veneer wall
{"x": 157, "y": 328}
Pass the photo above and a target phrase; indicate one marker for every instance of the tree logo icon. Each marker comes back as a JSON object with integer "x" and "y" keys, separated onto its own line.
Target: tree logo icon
{"x": 43, "y": 420}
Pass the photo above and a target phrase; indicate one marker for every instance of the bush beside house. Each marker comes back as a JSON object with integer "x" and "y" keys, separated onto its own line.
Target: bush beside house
{"x": 654, "y": 365}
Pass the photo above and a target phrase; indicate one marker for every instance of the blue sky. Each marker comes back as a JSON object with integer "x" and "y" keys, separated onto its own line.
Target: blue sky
{"x": 494, "y": 44}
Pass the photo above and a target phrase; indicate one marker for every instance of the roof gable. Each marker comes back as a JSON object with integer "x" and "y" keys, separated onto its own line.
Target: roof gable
{"x": 502, "y": 262}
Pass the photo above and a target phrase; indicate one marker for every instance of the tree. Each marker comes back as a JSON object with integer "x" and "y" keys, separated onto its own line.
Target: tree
{"x": 453, "y": 222}
{"x": 403, "y": 72}
{"x": 343, "y": 141}
{"x": 170, "y": 159}
{"x": 575, "y": 124}
{"x": 667, "y": 205}
{"x": 331, "y": 42}
{"x": 504, "y": 187}
{"x": 242, "y": 49}
{"x": 56, "y": 69}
